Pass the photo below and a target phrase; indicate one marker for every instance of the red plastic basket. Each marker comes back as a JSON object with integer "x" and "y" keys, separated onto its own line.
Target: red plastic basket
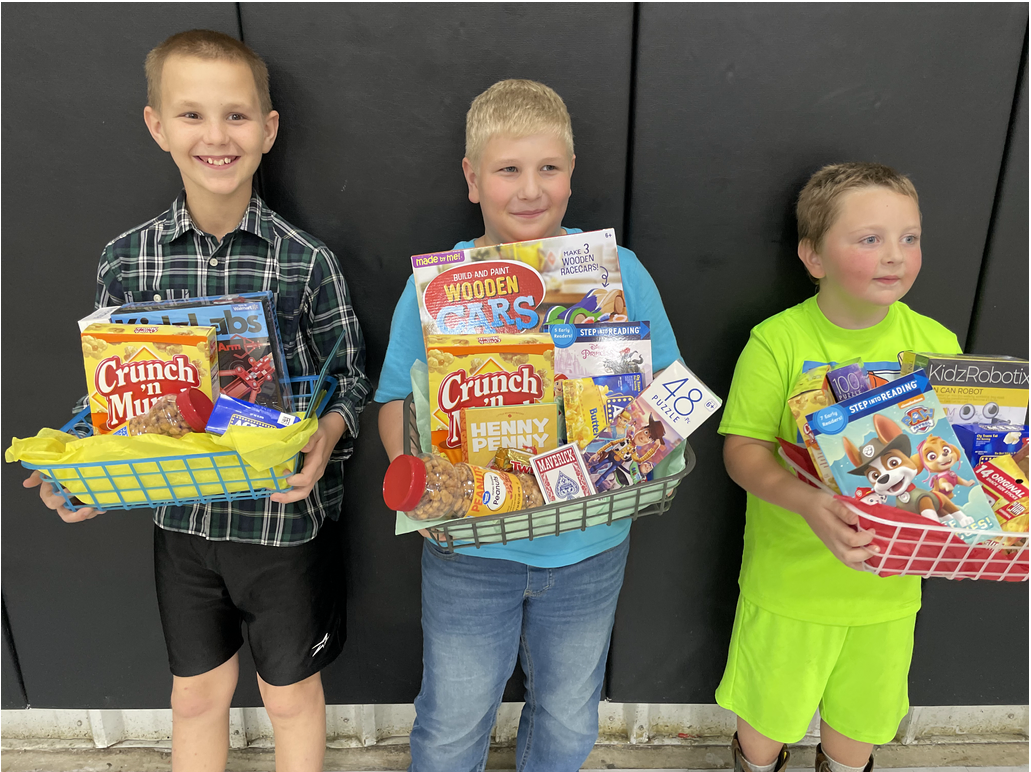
{"x": 912, "y": 545}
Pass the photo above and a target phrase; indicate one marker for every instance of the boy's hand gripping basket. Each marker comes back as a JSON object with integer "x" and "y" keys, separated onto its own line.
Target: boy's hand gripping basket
{"x": 647, "y": 498}
{"x": 196, "y": 478}
{"x": 913, "y": 545}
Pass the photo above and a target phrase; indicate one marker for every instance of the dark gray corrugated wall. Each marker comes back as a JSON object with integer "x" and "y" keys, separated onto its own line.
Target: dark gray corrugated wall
{"x": 695, "y": 126}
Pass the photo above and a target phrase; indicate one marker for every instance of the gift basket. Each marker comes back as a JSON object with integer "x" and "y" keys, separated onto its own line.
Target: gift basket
{"x": 537, "y": 412}
{"x": 160, "y": 427}
{"x": 891, "y": 453}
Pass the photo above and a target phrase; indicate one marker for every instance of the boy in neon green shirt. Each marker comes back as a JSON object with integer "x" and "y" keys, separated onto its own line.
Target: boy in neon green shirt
{"x": 812, "y": 630}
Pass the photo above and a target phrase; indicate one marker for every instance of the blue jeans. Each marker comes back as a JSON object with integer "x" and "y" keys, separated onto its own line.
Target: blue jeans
{"x": 478, "y": 615}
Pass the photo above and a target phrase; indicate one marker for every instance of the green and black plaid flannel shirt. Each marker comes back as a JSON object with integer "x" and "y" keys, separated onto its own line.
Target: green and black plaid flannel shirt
{"x": 170, "y": 258}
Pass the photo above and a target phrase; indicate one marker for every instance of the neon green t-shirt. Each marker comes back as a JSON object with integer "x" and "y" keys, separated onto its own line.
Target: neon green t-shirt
{"x": 785, "y": 568}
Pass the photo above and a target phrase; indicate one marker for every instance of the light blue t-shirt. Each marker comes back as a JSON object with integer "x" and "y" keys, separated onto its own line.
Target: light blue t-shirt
{"x": 406, "y": 345}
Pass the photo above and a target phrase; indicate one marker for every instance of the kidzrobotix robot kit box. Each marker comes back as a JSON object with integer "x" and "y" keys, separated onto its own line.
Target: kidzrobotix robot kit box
{"x": 894, "y": 446}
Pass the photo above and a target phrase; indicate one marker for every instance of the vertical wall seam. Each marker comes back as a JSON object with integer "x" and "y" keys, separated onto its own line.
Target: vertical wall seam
{"x": 258, "y": 183}
{"x": 979, "y": 290}
{"x": 8, "y": 634}
{"x": 631, "y": 123}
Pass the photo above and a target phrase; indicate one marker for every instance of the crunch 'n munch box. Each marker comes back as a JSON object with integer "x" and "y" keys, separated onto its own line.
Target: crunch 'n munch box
{"x": 483, "y": 371}
{"x": 129, "y": 367}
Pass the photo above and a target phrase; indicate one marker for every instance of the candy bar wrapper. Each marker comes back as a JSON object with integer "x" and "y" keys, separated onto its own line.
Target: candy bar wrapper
{"x": 485, "y": 430}
{"x": 130, "y": 367}
{"x": 584, "y": 406}
{"x": 894, "y": 445}
{"x": 512, "y": 460}
{"x": 655, "y": 423}
{"x": 562, "y": 475}
{"x": 982, "y": 442}
{"x": 483, "y": 371}
{"x": 251, "y": 361}
{"x": 518, "y": 288}
{"x": 812, "y": 393}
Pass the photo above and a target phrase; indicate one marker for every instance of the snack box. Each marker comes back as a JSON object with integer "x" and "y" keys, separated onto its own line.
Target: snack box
{"x": 604, "y": 349}
{"x": 981, "y": 442}
{"x": 561, "y": 475}
{"x": 483, "y": 371}
{"x": 896, "y": 443}
{"x": 655, "y": 423}
{"x": 810, "y": 393}
{"x": 129, "y": 367}
{"x": 235, "y": 412}
{"x": 519, "y": 287}
{"x": 251, "y": 362}
{"x": 975, "y": 389}
{"x": 486, "y": 430}
{"x": 584, "y": 407}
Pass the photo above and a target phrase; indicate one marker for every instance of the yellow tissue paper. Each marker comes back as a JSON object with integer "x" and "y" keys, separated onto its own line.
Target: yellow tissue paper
{"x": 154, "y": 469}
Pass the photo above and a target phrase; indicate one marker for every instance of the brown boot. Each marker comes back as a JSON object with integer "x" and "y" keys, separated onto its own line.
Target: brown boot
{"x": 823, "y": 766}
{"x": 741, "y": 763}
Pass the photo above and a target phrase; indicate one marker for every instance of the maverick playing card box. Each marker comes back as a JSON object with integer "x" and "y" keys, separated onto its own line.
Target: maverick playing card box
{"x": 561, "y": 475}
{"x": 891, "y": 442}
{"x": 251, "y": 362}
{"x": 519, "y": 287}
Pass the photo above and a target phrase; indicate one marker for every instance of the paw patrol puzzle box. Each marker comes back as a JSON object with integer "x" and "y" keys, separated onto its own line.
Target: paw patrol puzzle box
{"x": 520, "y": 287}
{"x": 894, "y": 445}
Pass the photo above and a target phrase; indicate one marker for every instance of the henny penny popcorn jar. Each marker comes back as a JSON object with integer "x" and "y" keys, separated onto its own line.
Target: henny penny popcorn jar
{"x": 129, "y": 368}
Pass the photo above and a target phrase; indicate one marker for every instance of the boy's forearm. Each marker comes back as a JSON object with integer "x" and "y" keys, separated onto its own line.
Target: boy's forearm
{"x": 752, "y": 465}
{"x": 391, "y": 428}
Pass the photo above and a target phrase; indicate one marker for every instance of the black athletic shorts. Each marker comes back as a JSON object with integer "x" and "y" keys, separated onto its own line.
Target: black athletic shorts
{"x": 290, "y": 598}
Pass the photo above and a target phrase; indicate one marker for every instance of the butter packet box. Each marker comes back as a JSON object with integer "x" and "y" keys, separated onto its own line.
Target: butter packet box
{"x": 129, "y": 367}
{"x": 251, "y": 360}
{"x": 974, "y": 389}
{"x": 584, "y": 404}
{"x": 896, "y": 444}
{"x": 236, "y": 412}
{"x": 486, "y": 430}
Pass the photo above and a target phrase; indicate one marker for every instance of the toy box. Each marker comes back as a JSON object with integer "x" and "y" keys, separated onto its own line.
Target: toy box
{"x": 251, "y": 362}
{"x": 981, "y": 442}
{"x": 975, "y": 389}
{"x": 130, "y": 367}
{"x": 668, "y": 411}
{"x": 485, "y": 430}
{"x": 896, "y": 445}
{"x": 483, "y": 371}
{"x": 518, "y": 288}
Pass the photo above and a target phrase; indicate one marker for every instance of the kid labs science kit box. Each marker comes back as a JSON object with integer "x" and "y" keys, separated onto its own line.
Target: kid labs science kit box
{"x": 517, "y": 288}
{"x": 894, "y": 445}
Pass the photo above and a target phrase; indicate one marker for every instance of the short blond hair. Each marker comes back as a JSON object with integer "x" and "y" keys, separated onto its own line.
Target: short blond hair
{"x": 517, "y": 108}
{"x": 205, "y": 44}
{"x": 818, "y": 203}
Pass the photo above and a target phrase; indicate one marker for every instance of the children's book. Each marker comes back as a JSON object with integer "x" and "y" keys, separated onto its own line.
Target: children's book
{"x": 606, "y": 349}
{"x": 893, "y": 445}
{"x": 520, "y": 287}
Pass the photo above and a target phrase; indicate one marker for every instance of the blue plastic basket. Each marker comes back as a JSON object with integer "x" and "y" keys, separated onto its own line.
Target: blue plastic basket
{"x": 148, "y": 483}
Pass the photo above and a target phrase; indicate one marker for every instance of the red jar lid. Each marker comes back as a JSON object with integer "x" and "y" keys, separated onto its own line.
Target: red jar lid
{"x": 404, "y": 483}
{"x": 195, "y": 407}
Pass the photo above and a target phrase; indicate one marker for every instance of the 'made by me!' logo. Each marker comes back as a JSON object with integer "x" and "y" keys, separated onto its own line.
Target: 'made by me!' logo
{"x": 493, "y": 296}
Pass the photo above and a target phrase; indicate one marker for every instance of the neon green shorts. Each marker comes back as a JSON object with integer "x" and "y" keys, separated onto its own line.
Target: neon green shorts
{"x": 780, "y": 670}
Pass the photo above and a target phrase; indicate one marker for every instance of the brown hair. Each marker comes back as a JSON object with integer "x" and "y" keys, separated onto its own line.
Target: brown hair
{"x": 205, "y": 44}
{"x": 817, "y": 207}
{"x": 519, "y": 108}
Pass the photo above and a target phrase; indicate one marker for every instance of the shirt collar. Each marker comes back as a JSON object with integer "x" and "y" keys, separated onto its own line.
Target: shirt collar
{"x": 255, "y": 219}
